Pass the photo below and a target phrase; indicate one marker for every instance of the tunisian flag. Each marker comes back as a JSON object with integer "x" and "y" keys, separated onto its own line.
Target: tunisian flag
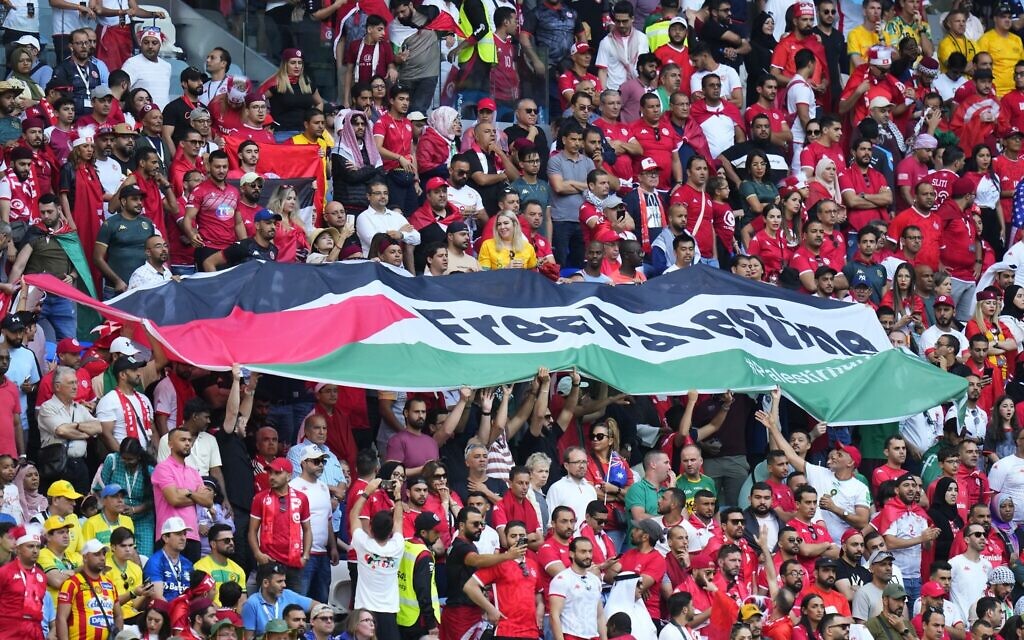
{"x": 287, "y": 163}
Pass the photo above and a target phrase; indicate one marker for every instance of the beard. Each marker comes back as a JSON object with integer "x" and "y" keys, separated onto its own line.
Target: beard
{"x": 806, "y": 32}
{"x": 418, "y": 424}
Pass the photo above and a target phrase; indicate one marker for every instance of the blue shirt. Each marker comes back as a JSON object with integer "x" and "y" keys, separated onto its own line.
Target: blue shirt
{"x": 175, "y": 579}
{"x": 257, "y": 612}
{"x": 23, "y": 367}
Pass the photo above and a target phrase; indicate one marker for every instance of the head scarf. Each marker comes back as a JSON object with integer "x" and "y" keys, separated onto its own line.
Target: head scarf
{"x": 441, "y": 120}
{"x": 831, "y": 187}
{"x": 31, "y": 502}
{"x": 1010, "y": 309}
{"x": 757, "y": 35}
{"x": 348, "y": 145}
{"x": 939, "y": 510}
{"x": 1006, "y": 529}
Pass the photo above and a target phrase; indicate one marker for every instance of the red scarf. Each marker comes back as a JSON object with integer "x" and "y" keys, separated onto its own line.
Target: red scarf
{"x": 131, "y": 418}
{"x": 424, "y": 216}
{"x": 895, "y": 509}
{"x": 88, "y": 211}
{"x": 24, "y": 197}
{"x": 184, "y": 392}
{"x": 645, "y": 232}
{"x": 152, "y": 201}
{"x": 268, "y": 516}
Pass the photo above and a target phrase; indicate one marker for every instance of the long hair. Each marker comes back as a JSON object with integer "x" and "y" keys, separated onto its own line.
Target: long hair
{"x": 898, "y": 299}
{"x": 805, "y": 622}
{"x": 283, "y": 83}
{"x": 277, "y": 198}
{"x": 353, "y": 622}
{"x": 518, "y": 239}
{"x": 994, "y": 433}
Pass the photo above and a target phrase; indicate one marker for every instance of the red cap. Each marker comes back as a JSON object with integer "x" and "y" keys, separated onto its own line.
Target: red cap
{"x": 229, "y": 615}
{"x": 849, "y": 533}
{"x": 288, "y": 54}
{"x": 487, "y": 103}
{"x": 933, "y": 589}
{"x": 946, "y": 300}
{"x": 605, "y": 234}
{"x": 436, "y": 182}
{"x": 804, "y": 10}
{"x": 1012, "y": 130}
{"x": 649, "y": 164}
{"x": 852, "y": 450}
{"x": 579, "y": 47}
{"x": 281, "y": 464}
{"x": 701, "y": 561}
{"x": 963, "y": 186}
{"x": 69, "y": 345}
{"x": 32, "y": 123}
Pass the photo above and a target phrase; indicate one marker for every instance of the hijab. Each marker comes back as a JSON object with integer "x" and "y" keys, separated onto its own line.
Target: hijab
{"x": 939, "y": 510}
{"x": 441, "y": 120}
{"x": 348, "y": 144}
{"x": 31, "y": 502}
{"x": 1006, "y": 529}
{"x": 831, "y": 187}
{"x": 1010, "y": 309}
{"x": 757, "y": 35}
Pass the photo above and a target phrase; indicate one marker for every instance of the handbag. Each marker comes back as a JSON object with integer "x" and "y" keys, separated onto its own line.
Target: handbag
{"x": 53, "y": 459}
{"x": 99, "y": 603}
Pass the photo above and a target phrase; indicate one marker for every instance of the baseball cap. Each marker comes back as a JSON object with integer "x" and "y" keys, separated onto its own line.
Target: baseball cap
{"x": 130, "y": 191}
{"x": 130, "y": 632}
{"x": 579, "y": 47}
{"x": 933, "y": 589}
{"x": 174, "y": 524}
{"x": 95, "y": 546}
{"x": 12, "y": 322}
{"x": 31, "y": 41}
{"x": 611, "y": 202}
{"x": 122, "y": 129}
{"x": 853, "y": 451}
{"x": 879, "y": 102}
{"x": 849, "y": 533}
{"x": 565, "y": 385}
{"x": 199, "y": 113}
{"x": 56, "y": 522}
{"x": 426, "y": 521}
{"x": 417, "y": 116}
{"x": 701, "y": 561}
{"x": 69, "y": 345}
{"x": 123, "y": 346}
{"x": 277, "y": 625}
{"x": 265, "y": 214}
{"x": 678, "y": 20}
{"x": 803, "y": 10}
{"x": 983, "y": 74}
{"x": 250, "y": 176}
{"x": 101, "y": 91}
{"x": 320, "y": 609}
{"x": 281, "y": 465}
{"x": 879, "y": 555}
{"x": 860, "y": 280}
{"x": 63, "y": 489}
{"x": 112, "y": 490}
{"x": 487, "y": 104}
{"x": 880, "y": 55}
{"x": 652, "y": 529}
{"x": 748, "y": 611}
{"x": 457, "y": 227}
{"x": 963, "y": 186}
{"x": 893, "y": 590}
{"x": 944, "y": 300}
{"x": 311, "y": 452}
{"x": 1003, "y": 9}
{"x": 127, "y": 363}
{"x": 825, "y": 563}
{"x": 649, "y": 164}
{"x": 1012, "y": 130}
{"x": 437, "y": 182}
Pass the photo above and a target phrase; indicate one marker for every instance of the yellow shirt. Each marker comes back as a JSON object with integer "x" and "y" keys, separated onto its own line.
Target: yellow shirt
{"x": 48, "y": 561}
{"x": 897, "y": 29}
{"x": 125, "y": 581}
{"x": 859, "y": 41}
{"x": 222, "y": 574}
{"x": 92, "y": 608}
{"x": 326, "y": 143}
{"x": 491, "y": 257}
{"x": 952, "y": 44}
{"x": 98, "y": 527}
{"x": 1005, "y": 51}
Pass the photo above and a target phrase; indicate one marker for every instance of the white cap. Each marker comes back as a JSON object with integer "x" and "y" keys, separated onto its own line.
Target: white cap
{"x": 565, "y": 385}
{"x": 879, "y": 102}
{"x": 94, "y": 546}
{"x": 174, "y": 524}
{"x": 123, "y": 346}
{"x": 31, "y": 41}
{"x": 131, "y": 632}
{"x": 311, "y": 452}
{"x": 416, "y": 116}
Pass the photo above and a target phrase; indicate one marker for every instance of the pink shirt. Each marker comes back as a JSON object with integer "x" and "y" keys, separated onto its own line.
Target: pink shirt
{"x": 414, "y": 450}
{"x": 171, "y": 473}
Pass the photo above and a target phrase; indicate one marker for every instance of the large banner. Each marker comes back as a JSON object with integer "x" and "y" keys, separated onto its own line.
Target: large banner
{"x": 365, "y": 325}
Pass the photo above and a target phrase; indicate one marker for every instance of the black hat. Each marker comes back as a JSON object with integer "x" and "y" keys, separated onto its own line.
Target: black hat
{"x": 13, "y": 323}
{"x": 126, "y": 363}
{"x": 129, "y": 191}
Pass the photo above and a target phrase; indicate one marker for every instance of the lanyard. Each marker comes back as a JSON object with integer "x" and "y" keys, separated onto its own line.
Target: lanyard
{"x": 271, "y": 613}
{"x": 83, "y": 76}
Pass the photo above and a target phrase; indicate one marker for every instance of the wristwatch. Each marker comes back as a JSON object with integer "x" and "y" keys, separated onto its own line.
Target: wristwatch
{"x": 846, "y": 514}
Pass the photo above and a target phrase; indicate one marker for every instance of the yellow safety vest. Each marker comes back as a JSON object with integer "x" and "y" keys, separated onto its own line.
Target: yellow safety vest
{"x": 408, "y": 605}
{"x": 485, "y": 46}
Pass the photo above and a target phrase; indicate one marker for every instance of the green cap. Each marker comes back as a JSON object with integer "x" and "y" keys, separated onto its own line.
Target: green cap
{"x": 891, "y": 590}
{"x": 276, "y": 626}
{"x": 220, "y": 625}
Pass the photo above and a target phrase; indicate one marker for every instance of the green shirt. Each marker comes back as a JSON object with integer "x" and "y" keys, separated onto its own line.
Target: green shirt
{"x": 690, "y": 488}
{"x": 125, "y": 241}
{"x": 641, "y": 494}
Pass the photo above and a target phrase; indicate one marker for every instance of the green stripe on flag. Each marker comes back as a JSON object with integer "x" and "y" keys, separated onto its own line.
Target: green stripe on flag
{"x": 87, "y": 318}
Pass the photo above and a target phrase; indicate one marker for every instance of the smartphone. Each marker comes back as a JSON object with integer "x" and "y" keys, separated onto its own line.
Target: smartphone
{"x": 31, "y": 9}
{"x": 350, "y": 220}
{"x": 389, "y": 485}
{"x": 246, "y": 373}
{"x": 522, "y": 542}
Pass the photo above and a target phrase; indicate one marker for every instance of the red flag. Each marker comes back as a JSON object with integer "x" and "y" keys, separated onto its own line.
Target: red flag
{"x": 287, "y": 161}
{"x": 445, "y": 24}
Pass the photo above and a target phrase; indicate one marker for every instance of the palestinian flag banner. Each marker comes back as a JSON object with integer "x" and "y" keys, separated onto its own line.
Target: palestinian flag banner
{"x": 366, "y": 325}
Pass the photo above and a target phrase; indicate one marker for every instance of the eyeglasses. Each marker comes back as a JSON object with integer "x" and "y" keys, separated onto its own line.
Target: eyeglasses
{"x": 977, "y": 534}
{"x": 530, "y": 111}
{"x": 378, "y": 193}
{"x": 838, "y": 626}
{"x": 600, "y": 521}
{"x": 194, "y": 141}
{"x": 585, "y": 107}
{"x": 828, "y": 12}
{"x": 367, "y": 620}
{"x": 796, "y": 572}
{"x": 225, "y": 540}
{"x": 319, "y": 461}
{"x": 597, "y": 437}
{"x": 814, "y": 132}
{"x": 440, "y": 476}
{"x": 734, "y": 522}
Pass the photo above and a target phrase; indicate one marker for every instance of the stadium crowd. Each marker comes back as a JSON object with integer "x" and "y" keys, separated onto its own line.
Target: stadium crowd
{"x": 847, "y": 151}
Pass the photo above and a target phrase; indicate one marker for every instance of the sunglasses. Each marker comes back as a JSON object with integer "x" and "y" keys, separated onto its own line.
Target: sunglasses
{"x": 814, "y": 132}
{"x": 597, "y": 437}
{"x": 440, "y": 476}
{"x": 530, "y": 111}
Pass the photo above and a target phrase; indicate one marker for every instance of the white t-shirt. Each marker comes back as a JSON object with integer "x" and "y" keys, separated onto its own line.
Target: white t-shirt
{"x": 152, "y": 75}
{"x": 1007, "y": 476}
{"x": 922, "y": 430}
{"x": 319, "y": 497}
{"x": 799, "y": 92}
{"x": 108, "y": 409}
{"x": 110, "y": 175}
{"x": 720, "y": 130}
{"x": 166, "y": 399}
{"x": 847, "y": 494}
{"x": 698, "y": 538}
{"x": 969, "y": 582}
{"x": 18, "y": 18}
{"x": 612, "y": 57}
{"x": 205, "y": 453}
{"x": 369, "y": 223}
{"x": 110, "y": 21}
{"x": 378, "y": 571}
{"x": 489, "y": 541}
{"x": 950, "y": 612}
{"x": 909, "y": 525}
{"x": 946, "y": 87}
{"x": 730, "y": 80}
{"x": 582, "y": 595}
{"x": 575, "y": 495}
{"x": 932, "y": 334}
{"x": 64, "y": 22}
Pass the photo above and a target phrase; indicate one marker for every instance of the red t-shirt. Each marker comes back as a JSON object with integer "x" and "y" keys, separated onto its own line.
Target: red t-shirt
{"x": 942, "y": 180}
{"x": 550, "y": 552}
{"x": 833, "y": 249}
{"x": 782, "y": 496}
{"x": 364, "y": 53}
{"x": 815, "y": 151}
{"x": 623, "y": 167}
{"x": 504, "y": 75}
{"x": 248, "y": 212}
{"x": 258, "y": 135}
{"x": 397, "y": 136}
{"x": 870, "y": 181}
{"x": 276, "y": 543}
{"x": 805, "y": 260}
{"x": 510, "y": 509}
{"x": 931, "y": 231}
{"x": 1010, "y": 173}
{"x": 650, "y": 564}
{"x": 814, "y": 533}
{"x": 909, "y": 172}
{"x": 659, "y": 142}
{"x": 216, "y": 217}
{"x": 10, "y": 405}
{"x": 883, "y": 473}
{"x": 567, "y": 85}
{"x": 358, "y": 484}
{"x": 588, "y": 213}
{"x": 775, "y": 117}
{"x": 514, "y": 595}
{"x": 774, "y": 252}
{"x": 700, "y": 216}
{"x": 668, "y": 54}
{"x": 958, "y": 241}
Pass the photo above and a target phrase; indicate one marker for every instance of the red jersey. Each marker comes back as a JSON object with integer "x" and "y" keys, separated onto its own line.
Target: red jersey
{"x": 805, "y": 260}
{"x": 942, "y": 180}
{"x": 859, "y": 181}
{"x": 833, "y": 249}
{"x": 782, "y": 496}
{"x": 505, "y": 84}
{"x": 256, "y": 134}
{"x": 815, "y": 151}
{"x": 588, "y": 214}
{"x": 180, "y": 249}
{"x": 509, "y": 509}
{"x": 623, "y": 167}
{"x": 651, "y": 564}
{"x": 659, "y": 141}
{"x": 931, "y": 230}
{"x": 773, "y": 251}
{"x": 700, "y": 216}
{"x": 959, "y": 238}
{"x": 550, "y": 552}
{"x": 813, "y": 533}
{"x": 1011, "y": 109}
{"x": 784, "y": 56}
{"x": 275, "y": 536}
{"x": 1010, "y": 173}
{"x": 23, "y": 196}
{"x": 373, "y": 59}
{"x": 216, "y": 213}
{"x": 775, "y": 117}
{"x": 668, "y": 54}
{"x": 567, "y": 85}
{"x": 909, "y": 172}
{"x": 248, "y": 213}
{"x": 887, "y": 86}
{"x": 514, "y": 594}
{"x": 397, "y": 135}
{"x": 21, "y": 599}
{"x": 883, "y": 473}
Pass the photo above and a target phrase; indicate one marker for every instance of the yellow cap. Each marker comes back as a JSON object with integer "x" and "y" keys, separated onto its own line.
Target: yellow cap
{"x": 56, "y": 522}
{"x": 63, "y": 489}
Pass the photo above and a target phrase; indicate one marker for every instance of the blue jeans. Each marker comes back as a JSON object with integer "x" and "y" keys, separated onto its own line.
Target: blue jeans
{"x": 316, "y": 576}
{"x": 62, "y": 315}
{"x": 567, "y": 243}
{"x": 288, "y": 418}
{"x": 913, "y": 588}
